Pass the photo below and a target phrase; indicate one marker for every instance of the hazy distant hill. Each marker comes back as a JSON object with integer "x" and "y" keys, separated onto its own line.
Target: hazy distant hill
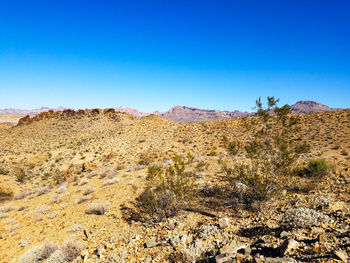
{"x": 11, "y": 111}
{"x": 188, "y": 114}
{"x": 184, "y": 113}
{"x": 309, "y": 106}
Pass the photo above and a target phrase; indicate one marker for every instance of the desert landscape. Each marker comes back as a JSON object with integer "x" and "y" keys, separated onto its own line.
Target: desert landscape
{"x": 194, "y": 131}
{"x": 71, "y": 183}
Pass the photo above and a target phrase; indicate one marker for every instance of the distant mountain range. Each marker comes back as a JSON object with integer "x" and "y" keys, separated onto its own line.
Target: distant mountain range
{"x": 187, "y": 114}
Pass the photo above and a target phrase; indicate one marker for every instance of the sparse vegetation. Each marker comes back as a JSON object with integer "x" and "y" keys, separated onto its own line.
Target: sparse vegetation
{"x": 167, "y": 191}
{"x": 317, "y": 167}
{"x": 270, "y": 154}
{"x": 38, "y": 253}
{"x": 5, "y": 194}
{"x": 43, "y": 190}
{"x": 88, "y": 190}
{"x": 194, "y": 230}
{"x": 97, "y": 208}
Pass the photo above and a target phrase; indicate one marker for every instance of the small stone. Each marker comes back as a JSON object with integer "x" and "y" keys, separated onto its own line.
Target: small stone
{"x": 183, "y": 239}
{"x": 285, "y": 234}
{"x": 148, "y": 260}
{"x": 100, "y": 250}
{"x": 23, "y": 243}
{"x": 288, "y": 246}
{"x": 233, "y": 247}
{"x": 150, "y": 243}
{"x": 341, "y": 255}
{"x": 174, "y": 240}
{"x": 224, "y": 222}
{"x": 247, "y": 251}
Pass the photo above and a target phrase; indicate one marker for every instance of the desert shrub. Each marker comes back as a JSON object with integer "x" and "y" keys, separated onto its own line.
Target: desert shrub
{"x": 62, "y": 188}
{"x": 38, "y": 253}
{"x": 146, "y": 158}
{"x": 344, "y": 152}
{"x": 317, "y": 167}
{"x": 212, "y": 153}
{"x": 5, "y": 194}
{"x": 7, "y": 208}
{"x": 190, "y": 158}
{"x": 43, "y": 190}
{"x": 84, "y": 181}
{"x": 88, "y": 190}
{"x": 202, "y": 166}
{"x": 168, "y": 190}
{"x": 4, "y": 215}
{"x": 3, "y": 171}
{"x": 47, "y": 249}
{"x": 20, "y": 195}
{"x": 233, "y": 147}
{"x": 304, "y": 217}
{"x": 21, "y": 176}
{"x": 71, "y": 250}
{"x": 75, "y": 228}
{"x": 97, "y": 208}
{"x": 270, "y": 152}
{"x": 111, "y": 181}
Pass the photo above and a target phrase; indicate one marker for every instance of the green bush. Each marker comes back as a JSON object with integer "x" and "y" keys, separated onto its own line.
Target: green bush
{"x": 318, "y": 167}
{"x": 270, "y": 151}
{"x": 168, "y": 190}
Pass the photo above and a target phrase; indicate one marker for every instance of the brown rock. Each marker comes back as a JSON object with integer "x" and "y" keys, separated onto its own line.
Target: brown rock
{"x": 224, "y": 222}
{"x": 232, "y": 247}
{"x": 288, "y": 246}
{"x": 341, "y": 255}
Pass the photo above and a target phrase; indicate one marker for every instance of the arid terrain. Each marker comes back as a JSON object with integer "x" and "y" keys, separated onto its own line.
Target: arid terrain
{"x": 56, "y": 166}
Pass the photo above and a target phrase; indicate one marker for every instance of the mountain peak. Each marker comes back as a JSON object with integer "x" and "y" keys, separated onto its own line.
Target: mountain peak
{"x": 307, "y": 106}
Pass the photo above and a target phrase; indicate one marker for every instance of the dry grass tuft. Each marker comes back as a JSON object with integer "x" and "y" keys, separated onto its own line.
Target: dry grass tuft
{"x": 97, "y": 208}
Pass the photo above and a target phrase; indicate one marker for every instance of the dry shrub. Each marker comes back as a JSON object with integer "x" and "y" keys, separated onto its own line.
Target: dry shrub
{"x": 43, "y": 190}
{"x": 5, "y": 194}
{"x": 167, "y": 190}
{"x": 71, "y": 250}
{"x": 84, "y": 181}
{"x": 47, "y": 249}
{"x": 38, "y": 253}
{"x": 89, "y": 190}
{"x": 62, "y": 188}
{"x": 21, "y": 176}
{"x": 7, "y": 208}
{"x": 111, "y": 181}
{"x": 20, "y": 195}
{"x": 97, "y": 208}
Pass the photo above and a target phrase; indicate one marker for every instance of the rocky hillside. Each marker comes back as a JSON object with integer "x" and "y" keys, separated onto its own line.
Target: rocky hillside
{"x": 70, "y": 182}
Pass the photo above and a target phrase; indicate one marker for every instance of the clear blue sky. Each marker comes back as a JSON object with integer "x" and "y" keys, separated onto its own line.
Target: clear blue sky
{"x": 152, "y": 55}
